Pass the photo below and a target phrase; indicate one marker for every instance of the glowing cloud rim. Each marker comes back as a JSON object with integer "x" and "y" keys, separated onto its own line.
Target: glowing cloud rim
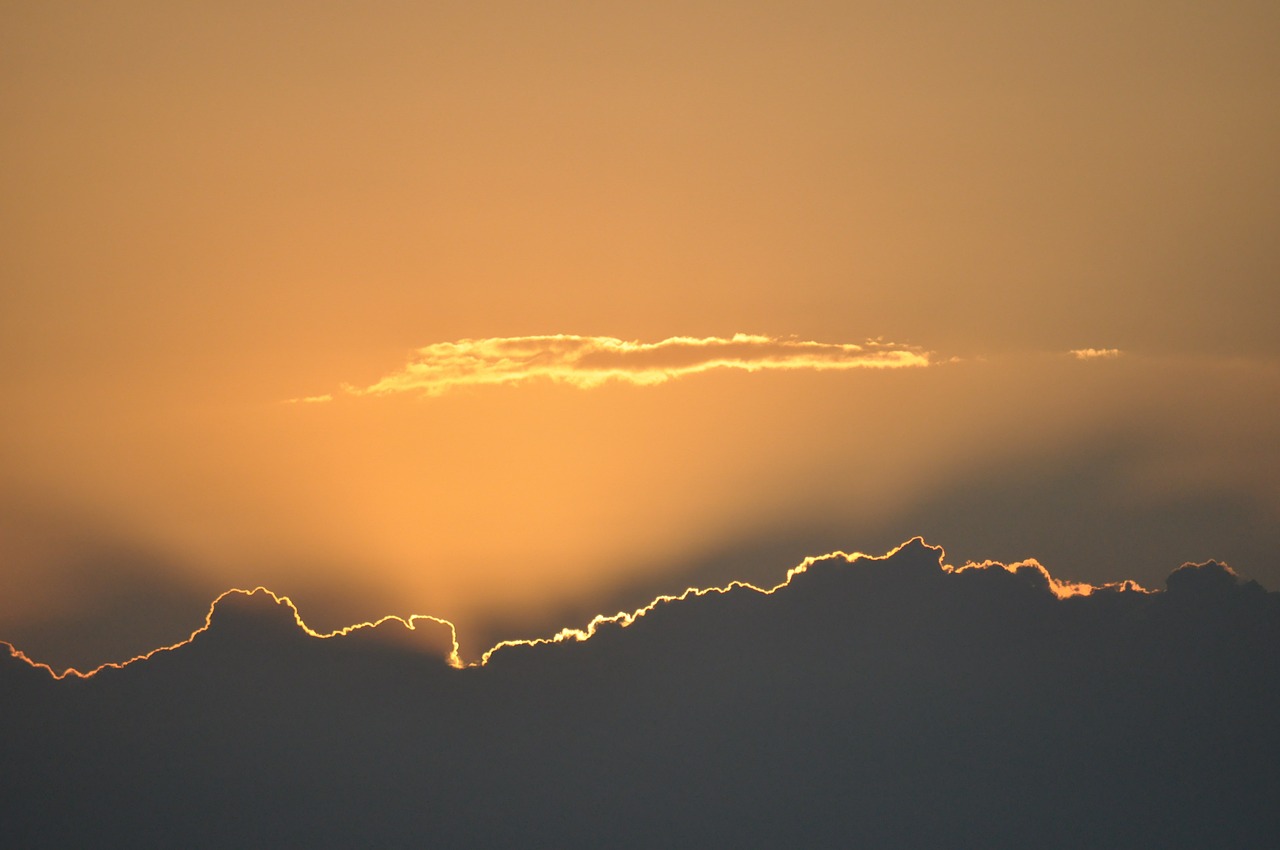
{"x": 587, "y": 362}
{"x": 1058, "y": 588}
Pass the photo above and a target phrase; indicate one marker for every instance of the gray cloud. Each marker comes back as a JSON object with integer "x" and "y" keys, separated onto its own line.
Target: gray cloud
{"x": 828, "y": 712}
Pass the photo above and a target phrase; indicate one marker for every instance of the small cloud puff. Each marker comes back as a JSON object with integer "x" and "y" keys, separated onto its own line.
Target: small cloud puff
{"x": 1096, "y": 353}
{"x": 590, "y": 361}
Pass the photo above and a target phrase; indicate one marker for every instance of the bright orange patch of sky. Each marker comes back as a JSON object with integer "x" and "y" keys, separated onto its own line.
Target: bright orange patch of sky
{"x": 208, "y": 208}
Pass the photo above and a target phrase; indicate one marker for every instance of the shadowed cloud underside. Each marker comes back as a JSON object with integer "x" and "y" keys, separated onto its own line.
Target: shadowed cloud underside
{"x": 878, "y": 702}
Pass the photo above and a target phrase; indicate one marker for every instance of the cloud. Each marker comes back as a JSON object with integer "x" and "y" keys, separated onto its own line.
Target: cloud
{"x": 924, "y": 558}
{"x": 829, "y": 711}
{"x": 590, "y": 361}
{"x": 1095, "y": 353}
{"x": 261, "y": 616}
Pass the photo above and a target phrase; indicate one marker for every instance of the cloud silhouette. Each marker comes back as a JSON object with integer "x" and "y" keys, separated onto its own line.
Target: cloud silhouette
{"x": 590, "y": 361}
{"x": 879, "y": 702}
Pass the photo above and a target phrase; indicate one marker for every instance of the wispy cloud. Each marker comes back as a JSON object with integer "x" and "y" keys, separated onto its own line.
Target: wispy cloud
{"x": 1095, "y": 353}
{"x": 590, "y": 361}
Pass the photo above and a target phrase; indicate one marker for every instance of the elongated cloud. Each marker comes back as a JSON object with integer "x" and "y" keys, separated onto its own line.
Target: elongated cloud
{"x": 1096, "y": 353}
{"x": 589, "y": 361}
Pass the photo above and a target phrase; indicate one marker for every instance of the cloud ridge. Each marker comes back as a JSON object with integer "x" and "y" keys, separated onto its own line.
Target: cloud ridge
{"x": 410, "y": 623}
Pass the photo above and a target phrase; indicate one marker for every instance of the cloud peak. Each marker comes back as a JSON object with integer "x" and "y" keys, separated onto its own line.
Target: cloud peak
{"x": 587, "y": 362}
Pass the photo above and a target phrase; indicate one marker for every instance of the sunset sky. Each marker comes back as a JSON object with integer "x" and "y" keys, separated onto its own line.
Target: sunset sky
{"x": 514, "y": 313}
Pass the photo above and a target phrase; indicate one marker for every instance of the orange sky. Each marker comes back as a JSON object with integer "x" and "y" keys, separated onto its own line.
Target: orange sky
{"x": 209, "y": 209}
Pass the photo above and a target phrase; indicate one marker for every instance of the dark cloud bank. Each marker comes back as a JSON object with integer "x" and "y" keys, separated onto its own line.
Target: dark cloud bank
{"x": 883, "y": 703}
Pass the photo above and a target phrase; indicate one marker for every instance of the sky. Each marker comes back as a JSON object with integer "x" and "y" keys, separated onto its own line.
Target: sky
{"x": 517, "y": 313}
